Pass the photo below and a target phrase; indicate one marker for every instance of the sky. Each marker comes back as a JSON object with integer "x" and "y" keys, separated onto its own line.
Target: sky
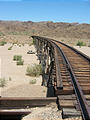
{"x": 46, "y": 10}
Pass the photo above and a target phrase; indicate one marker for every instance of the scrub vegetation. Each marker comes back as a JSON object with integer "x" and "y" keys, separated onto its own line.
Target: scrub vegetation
{"x": 35, "y": 70}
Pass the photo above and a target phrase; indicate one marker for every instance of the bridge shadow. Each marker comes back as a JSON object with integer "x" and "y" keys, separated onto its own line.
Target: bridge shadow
{"x": 50, "y": 91}
{"x": 48, "y": 83}
{"x": 10, "y": 117}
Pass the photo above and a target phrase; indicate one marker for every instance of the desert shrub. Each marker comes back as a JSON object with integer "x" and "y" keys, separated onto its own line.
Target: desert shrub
{"x": 2, "y": 43}
{"x": 14, "y": 33}
{"x": 81, "y": 43}
{"x": 17, "y": 57}
{"x": 10, "y": 48}
{"x": 33, "y": 81}
{"x": 22, "y": 44}
{"x": 34, "y": 42}
{"x": 19, "y": 45}
{"x": 20, "y": 62}
{"x": 89, "y": 45}
{"x": 25, "y": 33}
{"x": 35, "y": 70}
{"x": 2, "y": 82}
{"x": 62, "y": 40}
{"x": 1, "y": 34}
{"x": 33, "y": 31}
{"x": 15, "y": 42}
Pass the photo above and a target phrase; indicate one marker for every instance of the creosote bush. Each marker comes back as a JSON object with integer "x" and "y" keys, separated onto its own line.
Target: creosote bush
{"x": 89, "y": 45}
{"x": 19, "y": 45}
{"x": 22, "y": 44}
{"x": 34, "y": 42}
{"x": 10, "y": 48}
{"x": 20, "y": 62}
{"x": 17, "y": 57}
{"x": 35, "y": 70}
{"x": 1, "y": 34}
{"x": 2, "y": 43}
{"x": 10, "y": 78}
{"x": 81, "y": 43}
{"x": 2, "y": 82}
{"x": 62, "y": 40}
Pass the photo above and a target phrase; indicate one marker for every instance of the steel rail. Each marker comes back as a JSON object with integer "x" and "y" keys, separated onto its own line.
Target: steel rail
{"x": 14, "y": 108}
{"x": 85, "y": 109}
{"x": 24, "y": 102}
{"x": 58, "y": 74}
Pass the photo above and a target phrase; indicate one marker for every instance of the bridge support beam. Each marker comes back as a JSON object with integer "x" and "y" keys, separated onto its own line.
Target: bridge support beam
{"x": 45, "y": 53}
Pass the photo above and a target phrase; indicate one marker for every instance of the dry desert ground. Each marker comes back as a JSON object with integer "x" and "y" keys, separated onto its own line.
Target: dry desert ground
{"x": 83, "y": 49}
{"x": 17, "y": 82}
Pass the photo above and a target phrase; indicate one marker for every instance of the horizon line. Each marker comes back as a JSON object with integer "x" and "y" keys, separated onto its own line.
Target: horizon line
{"x": 44, "y": 21}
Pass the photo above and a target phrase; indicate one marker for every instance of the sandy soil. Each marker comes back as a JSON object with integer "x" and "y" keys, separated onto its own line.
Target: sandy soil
{"x": 16, "y": 38}
{"x": 84, "y": 49}
{"x": 19, "y": 85}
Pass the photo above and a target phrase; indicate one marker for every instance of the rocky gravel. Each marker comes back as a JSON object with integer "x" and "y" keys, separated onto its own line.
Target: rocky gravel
{"x": 49, "y": 112}
{"x": 44, "y": 113}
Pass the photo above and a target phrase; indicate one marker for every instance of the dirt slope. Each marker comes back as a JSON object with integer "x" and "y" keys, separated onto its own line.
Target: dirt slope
{"x": 56, "y": 30}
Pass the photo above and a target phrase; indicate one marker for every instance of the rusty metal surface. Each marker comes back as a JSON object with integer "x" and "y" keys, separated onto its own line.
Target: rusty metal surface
{"x": 14, "y": 108}
{"x": 58, "y": 74}
{"x": 22, "y": 102}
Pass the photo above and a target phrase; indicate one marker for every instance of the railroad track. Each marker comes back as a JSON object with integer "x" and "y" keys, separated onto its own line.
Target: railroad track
{"x": 68, "y": 73}
{"x": 77, "y": 72}
{"x": 72, "y": 83}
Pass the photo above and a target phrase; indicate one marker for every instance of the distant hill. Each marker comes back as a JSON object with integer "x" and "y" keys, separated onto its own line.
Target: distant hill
{"x": 48, "y": 28}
